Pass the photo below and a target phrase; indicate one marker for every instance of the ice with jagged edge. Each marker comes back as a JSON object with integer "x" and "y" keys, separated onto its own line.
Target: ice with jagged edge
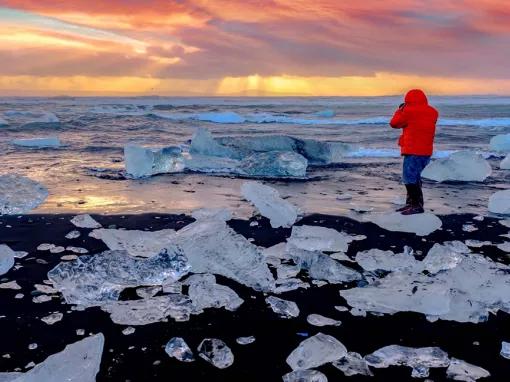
{"x": 419, "y": 359}
{"x": 353, "y": 364}
{"x": 499, "y": 202}
{"x": 37, "y": 142}
{"x": 500, "y": 143}
{"x": 216, "y": 352}
{"x": 143, "y": 162}
{"x": 19, "y": 194}
{"x": 177, "y": 348}
{"x": 204, "y": 293}
{"x": 135, "y": 242}
{"x": 460, "y": 370}
{"x": 305, "y": 376}
{"x": 85, "y": 221}
{"x": 150, "y": 310}
{"x": 316, "y": 351}
{"x": 316, "y": 238}
{"x": 7, "y": 256}
{"x": 464, "y": 166}
{"x": 450, "y": 294}
{"x": 268, "y": 201}
{"x": 419, "y": 224}
{"x": 92, "y": 280}
{"x": 376, "y": 259}
{"x": 283, "y": 308}
{"x": 213, "y": 247}
{"x": 78, "y": 362}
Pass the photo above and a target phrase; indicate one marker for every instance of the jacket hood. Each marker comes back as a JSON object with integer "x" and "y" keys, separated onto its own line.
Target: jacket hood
{"x": 416, "y": 97}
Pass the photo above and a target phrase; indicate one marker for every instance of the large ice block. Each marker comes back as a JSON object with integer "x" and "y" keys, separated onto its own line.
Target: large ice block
{"x": 420, "y": 224}
{"x": 499, "y": 202}
{"x": 19, "y": 194}
{"x": 142, "y": 162}
{"x": 500, "y": 143}
{"x": 462, "y": 166}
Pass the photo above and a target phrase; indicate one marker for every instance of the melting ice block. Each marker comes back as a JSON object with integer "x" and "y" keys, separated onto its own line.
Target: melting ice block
{"x": 315, "y": 238}
{"x": 419, "y": 359}
{"x": 142, "y": 162}
{"x": 420, "y": 224}
{"x": 462, "y": 166}
{"x": 500, "y": 143}
{"x": 375, "y": 259}
{"x": 216, "y": 352}
{"x": 284, "y": 308}
{"x": 85, "y": 221}
{"x": 499, "y": 202}
{"x": 274, "y": 164}
{"x": 37, "y": 142}
{"x": 205, "y": 293}
{"x": 212, "y": 247}
{"x": 269, "y": 203}
{"x": 177, "y": 348}
{"x": 446, "y": 256}
{"x": 316, "y": 351}
{"x": 353, "y": 364}
{"x": 19, "y": 194}
{"x": 460, "y": 370}
{"x": 92, "y": 280}
{"x": 78, "y": 362}
{"x": 305, "y": 376}
{"x": 136, "y": 243}
{"x": 7, "y": 256}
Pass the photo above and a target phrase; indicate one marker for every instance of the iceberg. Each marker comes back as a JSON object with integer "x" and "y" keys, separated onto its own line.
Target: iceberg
{"x": 353, "y": 364}
{"x": 37, "y": 142}
{"x": 85, "y": 221}
{"x": 177, "y": 348}
{"x": 19, "y": 194}
{"x": 305, "y": 376}
{"x": 316, "y": 351}
{"x": 216, "y": 352}
{"x": 464, "y": 166}
{"x": 460, "y": 370}
{"x": 135, "y": 242}
{"x": 284, "y": 308}
{"x": 212, "y": 247}
{"x": 7, "y": 256}
{"x": 269, "y": 203}
{"x": 78, "y": 362}
{"x": 206, "y": 293}
{"x": 500, "y": 143}
{"x": 419, "y": 224}
{"x": 316, "y": 238}
{"x": 419, "y": 359}
{"x": 93, "y": 280}
{"x": 143, "y": 162}
{"x": 499, "y": 202}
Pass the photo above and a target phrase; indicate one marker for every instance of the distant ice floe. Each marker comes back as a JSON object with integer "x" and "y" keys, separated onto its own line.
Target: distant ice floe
{"x": 463, "y": 166}
{"x": 37, "y": 142}
{"x": 499, "y": 202}
{"x": 19, "y": 194}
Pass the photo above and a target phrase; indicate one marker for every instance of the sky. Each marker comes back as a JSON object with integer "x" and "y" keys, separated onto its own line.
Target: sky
{"x": 254, "y": 47}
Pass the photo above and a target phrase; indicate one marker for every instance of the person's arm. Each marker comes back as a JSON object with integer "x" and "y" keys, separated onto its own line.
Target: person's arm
{"x": 399, "y": 120}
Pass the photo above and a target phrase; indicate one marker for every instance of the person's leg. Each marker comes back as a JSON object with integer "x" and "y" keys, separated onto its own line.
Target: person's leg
{"x": 411, "y": 178}
{"x": 406, "y": 175}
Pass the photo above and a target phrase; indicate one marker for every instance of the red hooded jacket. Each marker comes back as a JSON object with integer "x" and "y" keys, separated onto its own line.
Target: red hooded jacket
{"x": 418, "y": 123}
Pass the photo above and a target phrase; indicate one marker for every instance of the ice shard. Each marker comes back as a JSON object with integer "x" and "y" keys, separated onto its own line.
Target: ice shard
{"x": 206, "y": 293}
{"x": 353, "y": 364}
{"x": 143, "y": 162}
{"x": 305, "y": 376}
{"x": 19, "y": 194}
{"x": 444, "y": 256}
{"x": 316, "y": 238}
{"x": 499, "y": 202}
{"x": 284, "y": 308}
{"x": 177, "y": 348}
{"x": 216, "y": 352}
{"x": 419, "y": 224}
{"x": 460, "y": 370}
{"x": 316, "y": 351}
{"x": 267, "y": 200}
{"x": 464, "y": 166}
{"x": 376, "y": 259}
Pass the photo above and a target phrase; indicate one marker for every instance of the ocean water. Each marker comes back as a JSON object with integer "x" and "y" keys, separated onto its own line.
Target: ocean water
{"x": 83, "y": 174}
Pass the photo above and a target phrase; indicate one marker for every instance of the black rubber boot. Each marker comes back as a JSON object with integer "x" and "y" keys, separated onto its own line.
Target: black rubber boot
{"x": 416, "y": 199}
{"x": 408, "y": 199}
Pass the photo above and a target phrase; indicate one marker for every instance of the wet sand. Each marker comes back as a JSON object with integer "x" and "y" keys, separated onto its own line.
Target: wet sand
{"x": 264, "y": 360}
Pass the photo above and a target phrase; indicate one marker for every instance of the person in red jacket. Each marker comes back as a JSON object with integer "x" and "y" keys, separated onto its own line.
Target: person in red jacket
{"x": 417, "y": 119}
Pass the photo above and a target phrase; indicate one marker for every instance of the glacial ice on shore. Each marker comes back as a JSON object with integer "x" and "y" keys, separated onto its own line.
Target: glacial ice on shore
{"x": 464, "y": 166}
{"x": 177, "y": 348}
{"x": 460, "y": 370}
{"x": 92, "y": 280}
{"x": 376, "y": 259}
{"x": 505, "y": 163}
{"x": 37, "y": 142}
{"x": 268, "y": 201}
{"x": 320, "y": 320}
{"x": 283, "y": 308}
{"x": 7, "y": 256}
{"x": 316, "y": 351}
{"x": 419, "y": 359}
{"x": 316, "y": 238}
{"x": 499, "y": 202}
{"x": 216, "y": 352}
{"x": 353, "y": 364}
{"x": 85, "y": 221}
{"x": 78, "y": 362}
{"x": 143, "y": 162}
{"x": 204, "y": 293}
{"x": 500, "y": 143}
{"x": 444, "y": 256}
{"x": 305, "y": 376}
{"x": 19, "y": 194}
{"x": 419, "y": 224}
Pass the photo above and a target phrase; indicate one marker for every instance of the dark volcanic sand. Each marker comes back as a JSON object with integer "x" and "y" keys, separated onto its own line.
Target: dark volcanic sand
{"x": 263, "y": 360}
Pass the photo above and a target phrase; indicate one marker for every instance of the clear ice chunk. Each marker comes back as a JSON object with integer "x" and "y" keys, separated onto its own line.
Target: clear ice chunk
{"x": 135, "y": 242}
{"x": 268, "y": 201}
{"x": 505, "y": 350}
{"x": 463, "y": 166}
{"x": 316, "y": 351}
{"x": 78, "y": 362}
{"x": 283, "y": 308}
{"x": 7, "y": 256}
{"x": 444, "y": 256}
{"x": 353, "y": 364}
{"x": 274, "y": 164}
{"x": 212, "y": 247}
{"x": 305, "y": 376}
{"x": 376, "y": 259}
{"x": 245, "y": 340}
{"x": 73, "y": 234}
{"x": 177, "y": 348}
{"x": 37, "y": 142}
{"x": 420, "y": 224}
{"x": 206, "y": 293}
{"x": 19, "y": 194}
{"x": 500, "y": 142}
{"x": 460, "y": 370}
{"x": 316, "y": 238}
{"x": 93, "y": 280}
{"x": 143, "y": 162}
{"x": 216, "y": 352}
{"x": 52, "y": 318}
{"x": 85, "y": 221}
{"x": 203, "y": 143}
{"x": 319, "y": 320}
{"x": 499, "y": 202}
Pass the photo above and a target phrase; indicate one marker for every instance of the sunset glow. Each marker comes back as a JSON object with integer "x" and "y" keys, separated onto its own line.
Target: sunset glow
{"x": 281, "y": 47}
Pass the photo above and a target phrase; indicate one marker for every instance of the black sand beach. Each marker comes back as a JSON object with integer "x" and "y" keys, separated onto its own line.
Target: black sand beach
{"x": 141, "y": 356}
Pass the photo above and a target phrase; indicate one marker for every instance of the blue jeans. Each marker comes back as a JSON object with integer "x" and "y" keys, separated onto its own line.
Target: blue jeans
{"x": 412, "y": 168}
